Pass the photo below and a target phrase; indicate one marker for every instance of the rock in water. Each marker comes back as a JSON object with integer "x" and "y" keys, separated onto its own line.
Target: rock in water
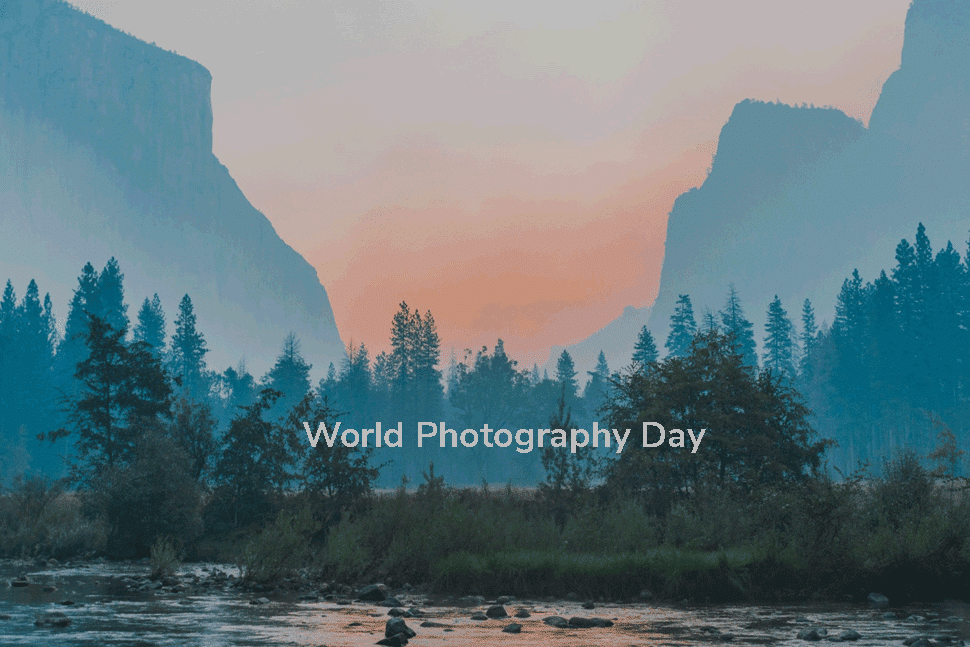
{"x": 396, "y": 626}
{"x": 878, "y": 600}
{"x": 556, "y": 621}
{"x": 52, "y": 619}
{"x": 373, "y": 593}
{"x": 497, "y": 611}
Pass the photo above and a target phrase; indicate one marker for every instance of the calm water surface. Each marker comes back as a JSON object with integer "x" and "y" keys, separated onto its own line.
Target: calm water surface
{"x": 107, "y": 613}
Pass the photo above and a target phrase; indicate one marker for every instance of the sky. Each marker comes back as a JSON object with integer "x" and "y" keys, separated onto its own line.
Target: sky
{"x": 506, "y": 165}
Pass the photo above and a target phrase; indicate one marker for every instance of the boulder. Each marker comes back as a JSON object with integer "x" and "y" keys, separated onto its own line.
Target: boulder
{"x": 556, "y": 621}
{"x": 878, "y": 600}
{"x": 396, "y": 626}
{"x": 397, "y": 640}
{"x": 523, "y": 613}
{"x": 513, "y": 628}
{"x": 586, "y": 623}
{"x": 373, "y": 593}
{"x": 52, "y": 619}
{"x": 849, "y": 635}
{"x": 391, "y": 602}
{"x": 497, "y": 611}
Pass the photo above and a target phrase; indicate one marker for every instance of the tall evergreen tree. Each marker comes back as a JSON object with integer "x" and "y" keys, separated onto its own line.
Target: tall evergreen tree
{"x": 73, "y": 348}
{"x": 809, "y": 337}
{"x": 645, "y": 350}
{"x": 566, "y": 376}
{"x": 151, "y": 325}
{"x": 187, "y": 354}
{"x": 779, "y": 341}
{"x": 738, "y": 329}
{"x": 597, "y": 388}
{"x": 111, "y": 292}
{"x": 290, "y": 376}
{"x": 682, "y": 328}
{"x": 123, "y": 387}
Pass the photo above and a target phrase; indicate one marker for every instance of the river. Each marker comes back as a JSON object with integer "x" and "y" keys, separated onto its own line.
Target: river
{"x": 111, "y": 607}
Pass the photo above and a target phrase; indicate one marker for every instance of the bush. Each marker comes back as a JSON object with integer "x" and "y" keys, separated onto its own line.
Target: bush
{"x": 164, "y": 558}
{"x": 280, "y": 549}
{"x": 39, "y": 518}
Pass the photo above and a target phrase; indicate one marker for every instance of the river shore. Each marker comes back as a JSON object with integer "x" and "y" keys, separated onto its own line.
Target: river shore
{"x": 111, "y": 603}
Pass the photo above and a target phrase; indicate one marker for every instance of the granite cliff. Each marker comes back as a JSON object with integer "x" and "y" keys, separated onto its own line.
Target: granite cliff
{"x": 106, "y": 150}
{"x": 798, "y": 197}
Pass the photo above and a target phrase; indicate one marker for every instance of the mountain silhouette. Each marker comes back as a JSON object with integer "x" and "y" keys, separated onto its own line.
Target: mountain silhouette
{"x": 106, "y": 150}
{"x": 797, "y": 197}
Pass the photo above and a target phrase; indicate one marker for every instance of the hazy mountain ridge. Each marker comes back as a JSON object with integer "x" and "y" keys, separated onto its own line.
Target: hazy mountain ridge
{"x": 798, "y": 197}
{"x": 106, "y": 150}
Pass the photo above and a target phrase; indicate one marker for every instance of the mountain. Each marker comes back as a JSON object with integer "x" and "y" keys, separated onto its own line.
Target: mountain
{"x": 616, "y": 339}
{"x": 798, "y": 197}
{"x": 106, "y": 150}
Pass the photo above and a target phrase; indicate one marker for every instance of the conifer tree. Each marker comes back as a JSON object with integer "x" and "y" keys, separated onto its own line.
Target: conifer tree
{"x": 187, "y": 354}
{"x": 738, "y": 329}
{"x": 111, "y": 292}
{"x": 645, "y": 351}
{"x": 779, "y": 341}
{"x": 290, "y": 376}
{"x": 566, "y": 376}
{"x": 597, "y": 387}
{"x": 151, "y": 325}
{"x": 809, "y": 337}
{"x": 682, "y": 328}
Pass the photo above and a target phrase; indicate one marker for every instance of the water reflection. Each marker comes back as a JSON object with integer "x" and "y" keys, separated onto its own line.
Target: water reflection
{"x": 108, "y": 610}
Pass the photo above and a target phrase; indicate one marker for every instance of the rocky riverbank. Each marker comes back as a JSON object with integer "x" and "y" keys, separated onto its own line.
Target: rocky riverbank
{"x": 95, "y": 603}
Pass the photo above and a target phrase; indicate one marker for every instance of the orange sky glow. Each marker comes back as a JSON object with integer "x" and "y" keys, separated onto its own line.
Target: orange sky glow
{"x": 508, "y": 168}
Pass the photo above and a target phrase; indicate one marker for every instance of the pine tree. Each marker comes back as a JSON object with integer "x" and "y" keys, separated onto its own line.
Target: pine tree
{"x": 187, "y": 354}
{"x": 151, "y": 325}
{"x": 682, "y": 328}
{"x": 809, "y": 339}
{"x": 122, "y": 388}
{"x": 597, "y": 387}
{"x": 566, "y": 376}
{"x": 738, "y": 329}
{"x": 72, "y": 349}
{"x": 111, "y": 292}
{"x": 354, "y": 385}
{"x": 779, "y": 341}
{"x": 290, "y": 376}
{"x": 645, "y": 351}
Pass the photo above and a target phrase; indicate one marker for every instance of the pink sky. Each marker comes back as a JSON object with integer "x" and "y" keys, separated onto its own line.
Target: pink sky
{"x": 508, "y": 168}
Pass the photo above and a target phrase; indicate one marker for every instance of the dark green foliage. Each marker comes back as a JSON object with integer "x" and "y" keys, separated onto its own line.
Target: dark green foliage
{"x": 896, "y": 359}
{"x": 343, "y": 474}
{"x": 111, "y": 296}
{"x": 490, "y": 389}
{"x": 290, "y": 376}
{"x": 682, "y": 328}
{"x": 645, "y": 350}
{"x": 567, "y": 476}
{"x": 779, "y": 342}
{"x": 151, "y": 326}
{"x": 255, "y": 463}
{"x": 566, "y": 376}
{"x": 757, "y": 428}
{"x": 121, "y": 387}
{"x": 597, "y": 388}
{"x": 187, "y": 355}
{"x": 193, "y": 430}
{"x": 738, "y": 329}
{"x": 154, "y": 495}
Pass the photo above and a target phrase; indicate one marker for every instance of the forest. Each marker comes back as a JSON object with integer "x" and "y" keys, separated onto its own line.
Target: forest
{"x": 834, "y": 458}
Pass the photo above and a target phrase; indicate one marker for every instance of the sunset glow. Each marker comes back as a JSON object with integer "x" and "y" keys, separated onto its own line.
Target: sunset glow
{"x": 508, "y": 169}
